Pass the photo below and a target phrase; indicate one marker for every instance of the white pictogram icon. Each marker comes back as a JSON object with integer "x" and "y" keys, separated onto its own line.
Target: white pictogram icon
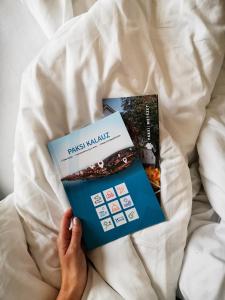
{"x": 131, "y": 214}
{"x": 119, "y": 219}
{"x": 114, "y": 207}
{"x": 107, "y": 224}
{"x": 102, "y": 211}
{"x": 126, "y": 201}
{"x": 97, "y": 199}
{"x": 109, "y": 194}
{"x": 121, "y": 189}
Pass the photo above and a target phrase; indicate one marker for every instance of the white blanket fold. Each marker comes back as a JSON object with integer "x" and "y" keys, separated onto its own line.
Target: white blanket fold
{"x": 205, "y": 256}
{"x": 52, "y": 14}
{"x": 19, "y": 276}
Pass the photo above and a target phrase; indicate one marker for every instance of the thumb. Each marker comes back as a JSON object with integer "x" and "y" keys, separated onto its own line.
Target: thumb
{"x": 75, "y": 242}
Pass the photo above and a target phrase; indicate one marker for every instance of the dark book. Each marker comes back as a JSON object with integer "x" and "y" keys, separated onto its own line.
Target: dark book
{"x": 141, "y": 117}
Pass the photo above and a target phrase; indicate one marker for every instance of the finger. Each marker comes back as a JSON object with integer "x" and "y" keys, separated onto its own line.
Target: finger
{"x": 64, "y": 232}
{"x": 75, "y": 242}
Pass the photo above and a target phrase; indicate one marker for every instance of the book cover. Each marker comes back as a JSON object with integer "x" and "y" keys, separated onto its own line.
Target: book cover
{"x": 141, "y": 117}
{"x": 105, "y": 181}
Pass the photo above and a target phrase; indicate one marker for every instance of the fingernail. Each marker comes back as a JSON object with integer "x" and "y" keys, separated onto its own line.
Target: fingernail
{"x": 75, "y": 221}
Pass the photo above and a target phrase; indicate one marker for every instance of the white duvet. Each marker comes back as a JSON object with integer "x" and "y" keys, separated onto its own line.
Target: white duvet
{"x": 123, "y": 48}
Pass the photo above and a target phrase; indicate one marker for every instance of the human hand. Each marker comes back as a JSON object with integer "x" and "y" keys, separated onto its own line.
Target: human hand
{"x": 72, "y": 259}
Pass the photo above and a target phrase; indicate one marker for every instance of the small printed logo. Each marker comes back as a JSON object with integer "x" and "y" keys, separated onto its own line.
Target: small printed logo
{"x": 126, "y": 201}
{"x": 109, "y": 194}
{"x": 121, "y": 189}
{"x": 107, "y": 224}
{"x": 114, "y": 207}
{"x": 132, "y": 214}
{"x": 97, "y": 199}
{"x": 119, "y": 219}
{"x": 102, "y": 211}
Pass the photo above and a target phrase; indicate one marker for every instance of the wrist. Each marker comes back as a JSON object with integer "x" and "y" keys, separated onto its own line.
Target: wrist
{"x": 69, "y": 294}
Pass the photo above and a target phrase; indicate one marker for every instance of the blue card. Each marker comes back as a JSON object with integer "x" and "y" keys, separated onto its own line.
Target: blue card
{"x": 105, "y": 181}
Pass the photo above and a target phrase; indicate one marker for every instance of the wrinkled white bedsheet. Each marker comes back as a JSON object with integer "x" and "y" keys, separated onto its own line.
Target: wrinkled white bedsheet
{"x": 203, "y": 272}
{"x": 19, "y": 277}
{"x": 123, "y": 48}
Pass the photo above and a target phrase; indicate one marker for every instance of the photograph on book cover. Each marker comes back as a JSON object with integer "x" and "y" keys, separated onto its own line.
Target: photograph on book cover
{"x": 141, "y": 117}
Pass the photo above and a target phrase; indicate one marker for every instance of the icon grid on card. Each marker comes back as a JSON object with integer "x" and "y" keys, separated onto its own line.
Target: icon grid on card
{"x": 115, "y": 208}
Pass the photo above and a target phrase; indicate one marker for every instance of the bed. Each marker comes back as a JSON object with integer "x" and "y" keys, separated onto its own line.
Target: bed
{"x": 110, "y": 49}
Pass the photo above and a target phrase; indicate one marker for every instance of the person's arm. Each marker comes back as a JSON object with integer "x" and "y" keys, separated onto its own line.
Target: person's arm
{"x": 72, "y": 259}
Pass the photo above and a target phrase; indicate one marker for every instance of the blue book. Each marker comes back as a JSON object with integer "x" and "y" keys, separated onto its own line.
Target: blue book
{"x": 105, "y": 181}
